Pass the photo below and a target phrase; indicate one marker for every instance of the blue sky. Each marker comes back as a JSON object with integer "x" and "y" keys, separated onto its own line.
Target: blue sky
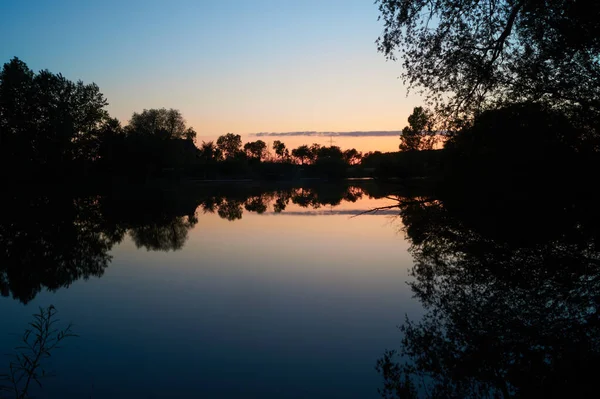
{"x": 228, "y": 65}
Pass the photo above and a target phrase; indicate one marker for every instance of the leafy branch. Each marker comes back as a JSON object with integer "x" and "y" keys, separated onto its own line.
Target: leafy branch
{"x": 37, "y": 342}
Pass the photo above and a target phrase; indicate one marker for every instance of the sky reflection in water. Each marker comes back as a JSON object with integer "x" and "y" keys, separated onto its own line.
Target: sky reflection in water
{"x": 270, "y": 305}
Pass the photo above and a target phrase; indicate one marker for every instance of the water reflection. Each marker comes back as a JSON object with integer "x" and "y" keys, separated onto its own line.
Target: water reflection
{"x": 511, "y": 290}
{"x": 49, "y": 241}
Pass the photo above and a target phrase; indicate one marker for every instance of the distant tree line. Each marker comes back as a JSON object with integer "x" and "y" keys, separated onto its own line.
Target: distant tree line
{"x": 52, "y": 129}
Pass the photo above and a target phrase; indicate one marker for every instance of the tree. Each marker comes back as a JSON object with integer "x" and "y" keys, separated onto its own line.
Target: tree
{"x": 332, "y": 152}
{"x": 256, "y": 149}
{"x": 229, "y": 144}
{"x": 352, "y": 156}
{"x": 190, "y": 134}
{"x": 527, "y": 146}
{"x": 315, "y": 150}
{"x": 471, "y": 55}
{"x": 47, "y": 121}
{"x": 419, "y": 134}
{"x": 163, "y": 123}
{"x": 209, "y": 151}
{"x": 303, "y": 154}
{"x": 280, "y": 150}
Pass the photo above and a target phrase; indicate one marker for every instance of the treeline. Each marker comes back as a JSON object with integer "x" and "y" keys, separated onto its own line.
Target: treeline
{"x": 227, "y": 157}
{"x": 54, "y": 129}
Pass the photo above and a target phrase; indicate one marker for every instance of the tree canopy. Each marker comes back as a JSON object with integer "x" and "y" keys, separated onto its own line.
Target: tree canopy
{"x": 419, "y": 134}
{"x": 47, "y": 120}
{"x": 302, "y": 153}
{"x": 163, "y": 123}
{"x": 470, "y": 55}
{"x": 280, "y": 150}
{"x": 229, "y": 144}
{"x": 256, "y": 149}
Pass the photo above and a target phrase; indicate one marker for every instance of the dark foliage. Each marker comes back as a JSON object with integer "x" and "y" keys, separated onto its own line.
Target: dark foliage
{"x": 49, "y": 126}
{"x": 511, "y": 300}
{"x": 419, "y": 134}
{"x": 54, "y": 129}
{"x": 51, "y": 238}
{"x": 519, "y": 147}
{"x": 473, "y": 55}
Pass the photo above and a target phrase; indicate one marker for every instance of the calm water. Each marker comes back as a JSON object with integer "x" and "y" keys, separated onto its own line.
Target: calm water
{"x": 292, "y": 292}
{"x": 224, "y": 293}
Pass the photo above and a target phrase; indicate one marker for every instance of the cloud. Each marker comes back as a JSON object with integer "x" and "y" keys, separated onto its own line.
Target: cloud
{"x": 375, "y": 133}
{"x": 329, "y": 212}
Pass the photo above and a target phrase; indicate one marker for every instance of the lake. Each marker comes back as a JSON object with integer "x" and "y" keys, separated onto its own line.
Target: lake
{"x": 297, "y": 291}
{"x": 220, "y": 291}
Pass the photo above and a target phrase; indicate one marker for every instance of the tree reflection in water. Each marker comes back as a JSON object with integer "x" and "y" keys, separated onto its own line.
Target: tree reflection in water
{"x": 511, "y": 298}
{"x": 49, "y": 240}
{"x": 164, "y": 235}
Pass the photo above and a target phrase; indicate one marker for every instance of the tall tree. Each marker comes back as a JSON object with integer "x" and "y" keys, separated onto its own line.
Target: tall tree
{"x": 303, "y": 154}
{"x": 256, "y": 149}
{"x": 229, "y": 144}
{"x": 468, "y": 55}
{"x": 47, "y": 121}
{"x": 352, "y": 156}
{"x": 280, "y": 150}
{"x": 328, "y": 152}
{"x": 190, "y": 134}
{"x": 419, "y": 134}
{"x": 162, "y": 122}
{"x": 209, "y": 151}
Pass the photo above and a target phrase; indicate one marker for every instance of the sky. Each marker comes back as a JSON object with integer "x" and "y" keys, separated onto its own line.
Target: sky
{"x": 240, "y": 66}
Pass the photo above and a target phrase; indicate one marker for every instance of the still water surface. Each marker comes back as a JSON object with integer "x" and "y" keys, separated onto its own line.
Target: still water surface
{"x": 278, "y": 293}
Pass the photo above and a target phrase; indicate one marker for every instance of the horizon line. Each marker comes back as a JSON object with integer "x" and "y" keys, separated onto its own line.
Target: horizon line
{"x": 373, "y": 133}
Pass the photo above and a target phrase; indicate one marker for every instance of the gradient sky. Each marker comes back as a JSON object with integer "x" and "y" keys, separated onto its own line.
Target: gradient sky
{"x": 230, "y": 65}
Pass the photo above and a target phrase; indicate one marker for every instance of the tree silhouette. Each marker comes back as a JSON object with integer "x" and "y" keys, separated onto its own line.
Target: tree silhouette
{"x": 327, "y": 152}
{"x": 280, "y": 150}
{"x": 230, "y": 145}
{"x": 209, "y": 152}
{"x": 352, "y": 156}
{"x": 256, "y": 149}
{"x": 163, "y": 123}
{"x": 47, "y": 122}
{"x": 419, "y": 134}
{"x": 471, "y": 55}
{"x": 521, "y": 147}
{"x": 190, "y": 134}
{"x": 302, "y": 154}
